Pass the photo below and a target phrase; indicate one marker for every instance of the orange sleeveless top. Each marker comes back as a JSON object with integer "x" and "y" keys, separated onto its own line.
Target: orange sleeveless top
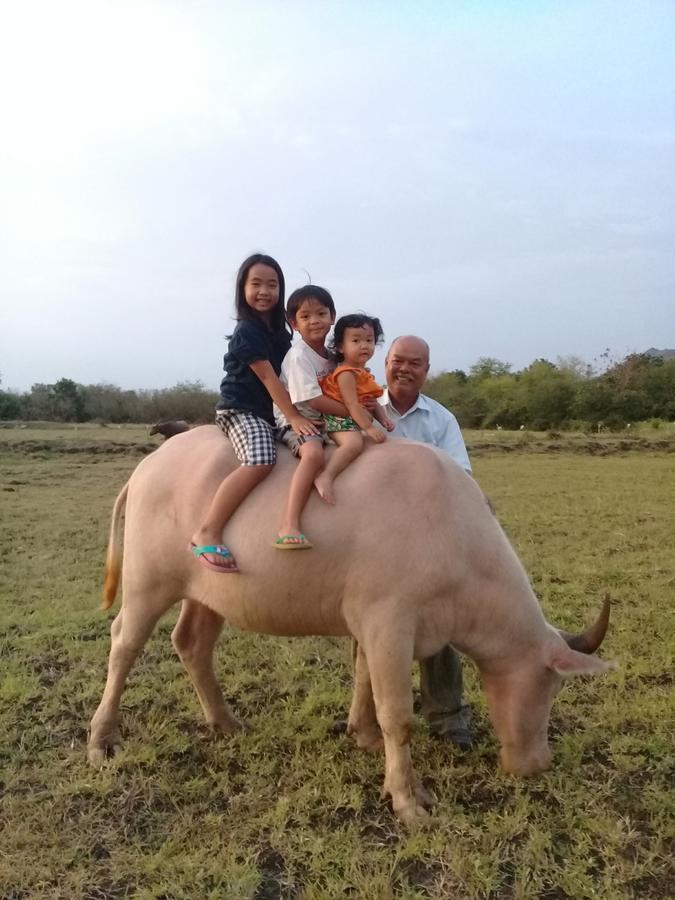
{"x": 366, "y": 386}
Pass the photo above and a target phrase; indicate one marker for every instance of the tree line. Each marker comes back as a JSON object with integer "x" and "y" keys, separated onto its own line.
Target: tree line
{"x": 68, "y": 401}
{"x": 566, "y": 394}
{"x": 569, "y": 394}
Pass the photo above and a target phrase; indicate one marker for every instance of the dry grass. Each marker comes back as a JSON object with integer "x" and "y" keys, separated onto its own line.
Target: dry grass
{"x": 289, "y": 810}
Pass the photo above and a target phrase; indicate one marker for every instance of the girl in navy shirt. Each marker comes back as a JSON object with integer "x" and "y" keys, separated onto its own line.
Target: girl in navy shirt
{"x": 247, "y": 393}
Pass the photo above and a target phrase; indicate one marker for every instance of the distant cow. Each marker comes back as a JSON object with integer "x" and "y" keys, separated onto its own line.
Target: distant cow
{"x": 410, "y": 559}
{"x": 170, "y": 429}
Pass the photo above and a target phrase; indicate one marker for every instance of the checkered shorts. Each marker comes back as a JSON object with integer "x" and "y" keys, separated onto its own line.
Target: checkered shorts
{"x": 252, "y": 438}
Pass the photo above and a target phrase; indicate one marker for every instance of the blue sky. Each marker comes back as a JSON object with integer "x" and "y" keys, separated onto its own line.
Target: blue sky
{"x": 496, "y": 177}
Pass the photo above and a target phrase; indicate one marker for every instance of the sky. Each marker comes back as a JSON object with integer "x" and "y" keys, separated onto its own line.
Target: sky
{"x": 496, "y": 177}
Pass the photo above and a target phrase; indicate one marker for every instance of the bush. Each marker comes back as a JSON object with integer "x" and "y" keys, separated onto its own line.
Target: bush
{"x": 10, "y": 405}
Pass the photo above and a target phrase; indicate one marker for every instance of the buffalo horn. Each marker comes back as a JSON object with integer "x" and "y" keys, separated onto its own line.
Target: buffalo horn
{"x": 589, "y": 641}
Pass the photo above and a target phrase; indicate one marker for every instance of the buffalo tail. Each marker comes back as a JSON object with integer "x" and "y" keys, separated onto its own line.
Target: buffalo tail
{"x": 113, "y": 560}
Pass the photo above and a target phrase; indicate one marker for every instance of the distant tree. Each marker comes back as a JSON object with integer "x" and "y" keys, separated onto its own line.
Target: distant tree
{"x": 502, "y": 400}
{"x": 11, "y": 406}
{"x": 447, "y": 388}
{"x": 453, "y": 390}
{"x": 658, "y": 385}
{"x": 576, "y": 366}
{"x": 546, "y": 394}
{"x": 40, "y": 403}
{"x": 188, "y": 400}
{"x": 629, "y": 372}
{"x": 592, "y": 401}
{"x": 488, "y": 367}
{"x": 69, "y": 402}
{"x": 105, "y": 403}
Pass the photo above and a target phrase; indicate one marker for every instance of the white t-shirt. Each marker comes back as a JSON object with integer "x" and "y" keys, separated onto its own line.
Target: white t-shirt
{"x": 429, "y": 422}
{"x": 300, "y": 372}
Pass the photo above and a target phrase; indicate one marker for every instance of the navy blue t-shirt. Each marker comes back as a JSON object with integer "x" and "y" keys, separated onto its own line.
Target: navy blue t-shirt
{"x": 241, "y": 388}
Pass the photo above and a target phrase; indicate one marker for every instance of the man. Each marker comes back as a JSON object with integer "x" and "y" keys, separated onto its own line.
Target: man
{"x": 420, "y": 418}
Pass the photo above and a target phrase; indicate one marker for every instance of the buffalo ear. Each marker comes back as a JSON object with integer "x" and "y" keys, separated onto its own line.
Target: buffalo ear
{"x": 565, "y": 661}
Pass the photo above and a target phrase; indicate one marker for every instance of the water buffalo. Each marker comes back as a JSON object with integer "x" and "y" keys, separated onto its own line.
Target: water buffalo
{"x": 170, "y": 429}
{"x": 409, "y": 560}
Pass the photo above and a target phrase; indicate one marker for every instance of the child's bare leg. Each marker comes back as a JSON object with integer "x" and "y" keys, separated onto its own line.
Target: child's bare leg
{"x": 232, "y": 491}
{"x": 311, "y": 461}
{"x": 349, "y": 445}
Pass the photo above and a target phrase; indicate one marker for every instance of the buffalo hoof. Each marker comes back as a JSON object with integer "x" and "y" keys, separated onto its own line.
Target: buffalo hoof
{"x": 338, "y": 727}
{"x": 99, "y": 750}
{"x": 367, "y": 737}
{"x": 424, "y": 797}
{"x": 411, "y": 807}
{"x": 411, "y": 813}
{"x": 410, "y": 810}
{"x": 227, "y": 726}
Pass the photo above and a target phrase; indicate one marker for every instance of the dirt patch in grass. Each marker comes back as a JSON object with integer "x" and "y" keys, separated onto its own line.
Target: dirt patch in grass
{"x": 590, "y": 446}
{"x": 67, "y": 447}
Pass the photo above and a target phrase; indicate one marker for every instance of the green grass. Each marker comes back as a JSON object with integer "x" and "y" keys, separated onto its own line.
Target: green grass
{"x": 288, "y": 809}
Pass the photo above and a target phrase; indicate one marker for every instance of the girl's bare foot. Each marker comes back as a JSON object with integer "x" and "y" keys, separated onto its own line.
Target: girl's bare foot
{"x": 324, "y": 485}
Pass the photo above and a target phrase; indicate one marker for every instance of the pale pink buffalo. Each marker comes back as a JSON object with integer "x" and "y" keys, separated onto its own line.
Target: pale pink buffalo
{"x": 410, "y": 559}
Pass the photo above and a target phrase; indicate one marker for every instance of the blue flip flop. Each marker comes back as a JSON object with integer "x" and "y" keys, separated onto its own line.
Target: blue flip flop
{"x": 217, "y": 550}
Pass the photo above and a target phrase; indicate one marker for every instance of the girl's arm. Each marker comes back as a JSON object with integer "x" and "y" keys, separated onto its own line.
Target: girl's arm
{"x": 347, "y": 384}
{"x": 263, "y": 369}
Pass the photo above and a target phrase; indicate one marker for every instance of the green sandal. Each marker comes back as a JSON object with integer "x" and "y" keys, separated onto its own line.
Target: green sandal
{"x": 284, "y": 542}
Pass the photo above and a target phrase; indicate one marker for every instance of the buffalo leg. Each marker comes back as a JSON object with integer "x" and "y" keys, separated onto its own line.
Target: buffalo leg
{"x": 389, "y": 658}
{"x": 129, "y": 631}
{"x": 194, "y": 638}
{"x": 362, "y": 722}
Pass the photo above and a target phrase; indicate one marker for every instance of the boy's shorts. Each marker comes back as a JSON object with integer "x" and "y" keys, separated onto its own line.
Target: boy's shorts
{"x": 339, "y": 423}
{"x": 252, "y": 438}
{"x": 294, "y": 441}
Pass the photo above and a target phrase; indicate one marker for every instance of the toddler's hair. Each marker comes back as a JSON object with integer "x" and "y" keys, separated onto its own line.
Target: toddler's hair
{"x": 356, "y": 320}
{"x": 308, "y": 292}
{"x": 244, "y": 311}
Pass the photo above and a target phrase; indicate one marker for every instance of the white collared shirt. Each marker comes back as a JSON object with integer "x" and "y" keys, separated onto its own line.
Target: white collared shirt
{"x": 429, "y": 422}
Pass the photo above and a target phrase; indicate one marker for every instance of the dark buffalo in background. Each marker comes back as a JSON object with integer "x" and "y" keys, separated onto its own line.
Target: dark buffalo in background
{"x": 169, "y": 429}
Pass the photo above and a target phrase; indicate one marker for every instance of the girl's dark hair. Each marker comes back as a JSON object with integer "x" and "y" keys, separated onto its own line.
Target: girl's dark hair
{"x": 244, "y": 311}
{"x": 308, "y": 292}
{"x": 356, "y": 320}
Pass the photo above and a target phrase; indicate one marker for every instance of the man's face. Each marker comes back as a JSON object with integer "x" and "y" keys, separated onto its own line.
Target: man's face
{"x": 406, "y": 366}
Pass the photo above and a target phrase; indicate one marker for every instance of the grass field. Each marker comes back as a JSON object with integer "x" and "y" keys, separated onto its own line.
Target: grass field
{"x": 289, "y": 810}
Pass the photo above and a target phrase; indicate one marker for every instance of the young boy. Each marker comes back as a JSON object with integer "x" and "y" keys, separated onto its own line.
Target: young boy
{"x": 311, "y": 312}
